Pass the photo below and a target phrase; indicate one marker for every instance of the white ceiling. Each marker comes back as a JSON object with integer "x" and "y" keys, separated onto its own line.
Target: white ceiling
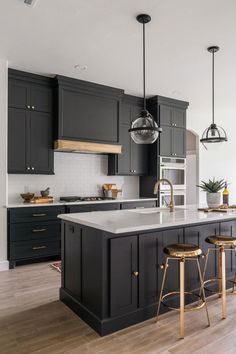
{"x": 54, "y": 35}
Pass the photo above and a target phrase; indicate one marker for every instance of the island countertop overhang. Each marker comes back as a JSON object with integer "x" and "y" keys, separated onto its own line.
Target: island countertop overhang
{"x": 128, "y": 221}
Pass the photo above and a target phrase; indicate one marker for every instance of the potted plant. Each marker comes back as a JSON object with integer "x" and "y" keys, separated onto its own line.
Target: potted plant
{"x": 213, "y": 188}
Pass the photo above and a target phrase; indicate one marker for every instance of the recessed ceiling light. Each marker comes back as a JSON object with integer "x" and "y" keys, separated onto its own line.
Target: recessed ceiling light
{"x": 81, "y": 67}
{"x": 30, "y": 2}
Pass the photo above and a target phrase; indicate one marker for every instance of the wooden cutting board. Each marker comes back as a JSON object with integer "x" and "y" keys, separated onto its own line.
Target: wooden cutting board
{"x": 41, "y": 200}
{"x": 219, "y": 210}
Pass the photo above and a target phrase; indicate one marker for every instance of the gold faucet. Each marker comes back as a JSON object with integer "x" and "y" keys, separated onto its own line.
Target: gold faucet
{"x": 172, "y": 204}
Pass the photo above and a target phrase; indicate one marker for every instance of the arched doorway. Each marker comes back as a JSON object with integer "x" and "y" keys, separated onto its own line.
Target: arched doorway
{"x": 192, "y": 167}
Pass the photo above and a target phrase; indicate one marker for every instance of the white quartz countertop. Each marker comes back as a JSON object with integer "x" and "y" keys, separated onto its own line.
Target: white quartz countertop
{"x": 136, "y": 220}
{"x": 57, "y": 203}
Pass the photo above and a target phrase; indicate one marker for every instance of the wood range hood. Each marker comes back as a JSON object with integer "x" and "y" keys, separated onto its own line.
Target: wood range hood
{"x": 74, "y": 146}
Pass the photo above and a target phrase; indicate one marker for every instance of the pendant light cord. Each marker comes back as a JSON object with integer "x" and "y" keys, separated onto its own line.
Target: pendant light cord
{"x": 144, "y": 68}
{"x": 213, "y": 87}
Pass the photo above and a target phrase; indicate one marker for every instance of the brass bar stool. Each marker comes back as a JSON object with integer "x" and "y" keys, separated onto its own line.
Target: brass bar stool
{"x": 220, "y": 242}
{"x": 181, "y": 253}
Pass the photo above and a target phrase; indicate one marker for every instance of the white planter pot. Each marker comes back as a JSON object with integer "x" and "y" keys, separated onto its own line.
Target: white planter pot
{"x": 213, "y": 199}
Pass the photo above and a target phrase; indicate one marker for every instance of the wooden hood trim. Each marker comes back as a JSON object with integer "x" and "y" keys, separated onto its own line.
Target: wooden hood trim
{"x": 82, "y": 146}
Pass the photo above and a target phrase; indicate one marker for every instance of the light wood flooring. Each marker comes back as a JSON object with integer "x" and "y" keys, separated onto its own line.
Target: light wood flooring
{"x": 33, "y": 320}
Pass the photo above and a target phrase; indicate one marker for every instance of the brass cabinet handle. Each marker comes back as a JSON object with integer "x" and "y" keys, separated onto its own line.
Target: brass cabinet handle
{"x": 38, "y": 248}
{"x": 39, "y": 230}
{"x": 135, "y": 274}
{"x": 38, "y": 215}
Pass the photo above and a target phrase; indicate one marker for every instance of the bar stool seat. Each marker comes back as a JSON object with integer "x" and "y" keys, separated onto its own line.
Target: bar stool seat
{"x": 221, "y": 240}
{"x": 182, "y": 250}
{"x": 181, "y": 253}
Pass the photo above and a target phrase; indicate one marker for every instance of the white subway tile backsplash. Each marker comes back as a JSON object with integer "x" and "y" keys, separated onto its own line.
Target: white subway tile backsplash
{"x": 75, "y": 174}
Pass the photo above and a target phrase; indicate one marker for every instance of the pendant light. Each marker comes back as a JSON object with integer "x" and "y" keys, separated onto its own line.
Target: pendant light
{"x": 143, "y": 129}
{"x": 214, "y": 133}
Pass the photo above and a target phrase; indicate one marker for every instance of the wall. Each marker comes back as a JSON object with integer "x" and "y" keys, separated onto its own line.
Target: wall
{"x": 3, "y": 164}
{"x": 75, "y": 174}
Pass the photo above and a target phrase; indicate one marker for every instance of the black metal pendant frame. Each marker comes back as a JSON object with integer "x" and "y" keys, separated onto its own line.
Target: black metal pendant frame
{"x": 214, "y": 133}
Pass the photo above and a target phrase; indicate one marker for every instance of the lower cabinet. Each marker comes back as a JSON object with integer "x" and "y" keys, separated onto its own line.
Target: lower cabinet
{"x": 34, "y": 233}
{"x": 113, "y": 281}
{"x": 123, "y": 275}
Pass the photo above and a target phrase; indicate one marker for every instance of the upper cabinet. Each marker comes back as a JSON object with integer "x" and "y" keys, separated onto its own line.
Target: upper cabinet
{"x": 30, "y": 123}
{"x": 87, "y": 112}
{"x": 171, "y": 116}
{"x": 134, "y": 157}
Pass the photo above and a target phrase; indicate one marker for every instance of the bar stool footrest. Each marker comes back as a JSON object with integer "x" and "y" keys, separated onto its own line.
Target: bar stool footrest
{"x": 186, "y": 309}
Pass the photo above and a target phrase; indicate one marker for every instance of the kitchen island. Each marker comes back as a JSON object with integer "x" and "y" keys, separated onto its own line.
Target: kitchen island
{"x": 111, "y": 261}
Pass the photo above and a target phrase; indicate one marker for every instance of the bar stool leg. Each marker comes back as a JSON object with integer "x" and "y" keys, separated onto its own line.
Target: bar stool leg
{"x": 162, "y": 287}
{"x": 203, "y": 291}
{"x": 223, "y": 281}
{"x": 182, "y": 298}
{"x": 220, "y": 274}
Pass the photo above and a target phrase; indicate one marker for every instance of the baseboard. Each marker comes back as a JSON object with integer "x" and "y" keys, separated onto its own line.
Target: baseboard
{"x": 4, "y": 265}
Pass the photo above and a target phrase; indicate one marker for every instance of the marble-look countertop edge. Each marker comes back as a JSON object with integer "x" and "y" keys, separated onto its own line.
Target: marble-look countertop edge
{"x": 213, "y": 217}
{"x": 123, "y": 200}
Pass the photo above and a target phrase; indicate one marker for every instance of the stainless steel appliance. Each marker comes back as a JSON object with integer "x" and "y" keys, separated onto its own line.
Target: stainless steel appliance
{"x": 179, "y": 197}
{"x": 73, "y": 199}
{"x": 173, "y": 169}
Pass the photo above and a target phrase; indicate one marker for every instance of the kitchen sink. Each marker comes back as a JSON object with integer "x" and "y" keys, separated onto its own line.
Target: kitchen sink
{"x": 155, "y": 210}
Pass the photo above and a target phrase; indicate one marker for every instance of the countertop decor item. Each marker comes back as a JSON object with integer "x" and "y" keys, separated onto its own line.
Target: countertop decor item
{"x": 42, "y": 200}
{"x": 27, "y": 197}
{"x": 213, "y": 188}
{"x": 45, "y": 193}
{"x": 214, "y": 133}
{"x": 143, "y": 129}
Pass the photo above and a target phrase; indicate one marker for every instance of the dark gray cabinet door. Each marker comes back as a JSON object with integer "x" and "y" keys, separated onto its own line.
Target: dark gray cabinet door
{"x": 165, "y": 115}
{"x": 41, "y": 149}
{"x": 139, "y": 153}
{"x": 178, "y": 142}
{"x": 166, "y": 141}
{"x": 18, "y": 94}
{"x": 18, "y": 132}
{"x": 124, "y": 159}
{"x": 179, "y": 118}
{"x": 41, "y": 98}
{"x": 123, "y": 282}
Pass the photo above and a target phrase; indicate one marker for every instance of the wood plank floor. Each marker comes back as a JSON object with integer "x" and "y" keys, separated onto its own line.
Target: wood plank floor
{"x": 33, "y": 320}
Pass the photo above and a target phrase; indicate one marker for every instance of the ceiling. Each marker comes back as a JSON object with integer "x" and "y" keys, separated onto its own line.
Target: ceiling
{"x": 55, "y": 35}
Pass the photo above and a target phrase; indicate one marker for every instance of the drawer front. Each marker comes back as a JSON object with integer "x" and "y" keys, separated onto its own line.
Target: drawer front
{"x": 34, "y": 214}
{"x": 78, "y": 208}
{"x": 35, "y": 231}
{"x": 34, "y": 249}
{"x": 137, "y": 205}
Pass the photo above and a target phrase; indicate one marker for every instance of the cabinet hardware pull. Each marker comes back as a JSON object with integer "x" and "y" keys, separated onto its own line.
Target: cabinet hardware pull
{"x": 134, "y": 171}
{"x": 135, "y": 274}
{"x": 28, "y": 168}
{"x": 28, "y": 107}
{"x": 39, "y": 230}
{"x": 38, "y": 248}
{"x": 38, "y": 215}
{"x": 32, "y": 107}
{"x": 32, "y": 168}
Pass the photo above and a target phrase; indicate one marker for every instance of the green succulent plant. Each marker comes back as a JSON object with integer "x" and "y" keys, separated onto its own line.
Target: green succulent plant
{"x": 212, "y": 186}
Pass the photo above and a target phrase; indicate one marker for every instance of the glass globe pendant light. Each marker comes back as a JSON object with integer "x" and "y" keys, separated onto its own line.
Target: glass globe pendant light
{"x": 143, "y": 129}
{"x": 214, "y": 133}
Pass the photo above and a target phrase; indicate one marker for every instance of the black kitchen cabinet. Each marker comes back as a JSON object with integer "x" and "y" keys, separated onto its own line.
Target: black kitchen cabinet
{"x": 92, "y": 207}
{"x": 30, "y": 123}
{"x": 123, "y": 275}
{"x": 229, "y": 228}
{"x": 87, "y": 111}
{"x": 34, "y": 233}
{"x": 134, "y": 157}
{"x": 170, "y": 114}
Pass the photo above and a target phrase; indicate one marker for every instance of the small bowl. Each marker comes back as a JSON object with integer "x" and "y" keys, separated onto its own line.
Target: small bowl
{"x": 27, "y": 197}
